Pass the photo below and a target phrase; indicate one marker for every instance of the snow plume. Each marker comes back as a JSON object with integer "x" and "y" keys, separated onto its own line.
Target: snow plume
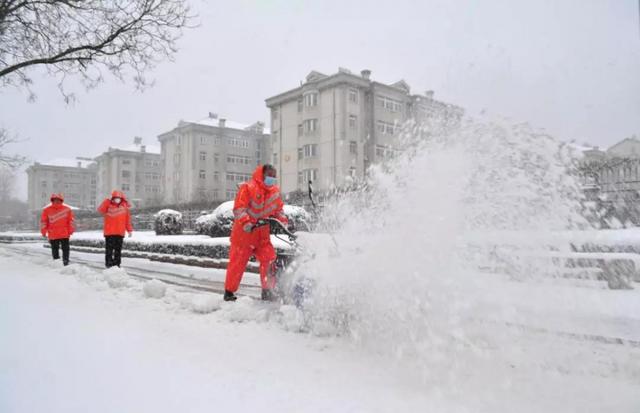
{"x": 405, "y": 280}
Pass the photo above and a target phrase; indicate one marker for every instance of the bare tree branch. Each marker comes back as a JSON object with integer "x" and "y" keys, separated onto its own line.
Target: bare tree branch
{"x": 83, "y": 37}
{"x": 11, "y": 162}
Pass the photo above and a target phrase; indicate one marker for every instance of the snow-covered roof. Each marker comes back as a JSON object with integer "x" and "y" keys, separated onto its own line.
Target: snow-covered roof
{"x": 136, "y": 148}
{"x": 68, "y": 162}
{"x": 230, "y": 124}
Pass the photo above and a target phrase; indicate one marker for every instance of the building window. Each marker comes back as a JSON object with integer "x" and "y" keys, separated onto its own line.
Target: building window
{"x": 310, "y": 125}
{"x": 237, "y": 159}
{"x": 300, "y": 105}
{"x": 385, "y": 152}
{"x": 300, "y": 130}
{"x": 238, "y": 142}
{"x": 309, "y": 175}
{"x": 202, "y": 174}
{"x": 353, "y": 147}
{"x": 216, "y": 141}
{"x": 231, "y": 193}
{"x": 178, "y": 140}
{"x": 353, "y": 95}
{"x": 126, "y": 174}
{"x": 389, "y": 104}
{"x": 43, "y": 184}
{"x": 353, "y": 121}
{"x": 274, "y": 113}
{"x": 176, "y": 158}
{"x": 386, "y": 127}
{"x": 311, "y": 99}
{"x": 300, "y": 153}
{"x": 237, "y": 177}
{"x": 203, "y": 156}
{"x": 216, "y": 194}
{"x": 126, "y": 187}
{"x": 216, "y": 176}
{"x": 126, "y": 162}
{"x": 310, "y": 151}
{"x": 156, "y": 163}
{"x": 352, "y": 172}
{"x": 216, "y": 158}
{"x": 300, "y": 178}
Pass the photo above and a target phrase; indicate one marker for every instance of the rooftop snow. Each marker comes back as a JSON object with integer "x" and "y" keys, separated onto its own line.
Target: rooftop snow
{"x": 230, "y": 124}
{"x": 68, "y": 162}
{"x": 136, "y": 148}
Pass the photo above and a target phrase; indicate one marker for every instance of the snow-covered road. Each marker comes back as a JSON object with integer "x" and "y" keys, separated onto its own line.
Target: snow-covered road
{"x": 70, "y": 342}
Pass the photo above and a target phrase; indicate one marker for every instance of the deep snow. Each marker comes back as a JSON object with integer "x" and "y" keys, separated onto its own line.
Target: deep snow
{"x": 75, "y": 342}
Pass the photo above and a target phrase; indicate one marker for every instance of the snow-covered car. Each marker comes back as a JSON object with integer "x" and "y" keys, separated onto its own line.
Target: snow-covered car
{"x": 168, "y": 222}
{"x": 219, "y": 222}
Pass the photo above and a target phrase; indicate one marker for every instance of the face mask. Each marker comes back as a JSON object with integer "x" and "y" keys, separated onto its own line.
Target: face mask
{"x": 117, "y": 200}
{"x": 270, "y": 181}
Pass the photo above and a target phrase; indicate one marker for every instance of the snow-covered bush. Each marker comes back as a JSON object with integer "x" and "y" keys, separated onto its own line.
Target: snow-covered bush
{"x": 219, "y": 222}
{"x": 168, "y": 222}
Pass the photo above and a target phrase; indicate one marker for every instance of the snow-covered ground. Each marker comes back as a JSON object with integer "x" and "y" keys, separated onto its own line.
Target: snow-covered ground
{"x": 75, "y": 339}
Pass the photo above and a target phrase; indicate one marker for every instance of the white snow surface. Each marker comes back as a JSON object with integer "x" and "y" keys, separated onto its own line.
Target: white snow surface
{"x": 74, "y": 342}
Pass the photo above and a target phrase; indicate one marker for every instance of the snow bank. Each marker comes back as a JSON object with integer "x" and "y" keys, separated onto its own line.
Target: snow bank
{"x": 154, "y": 289}
{"x": 116, "y": 277}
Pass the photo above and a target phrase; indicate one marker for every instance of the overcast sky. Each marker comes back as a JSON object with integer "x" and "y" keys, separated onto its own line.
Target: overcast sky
{"x": 571, "y": 67}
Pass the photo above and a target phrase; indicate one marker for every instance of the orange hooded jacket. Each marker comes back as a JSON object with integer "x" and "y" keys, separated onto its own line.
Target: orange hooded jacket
{"x": 56, "y": 221}
{"x": 254, "y": 201}
{"x": 117, "y": 218}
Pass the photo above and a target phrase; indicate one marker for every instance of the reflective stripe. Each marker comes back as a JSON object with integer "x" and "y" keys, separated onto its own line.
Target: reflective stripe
{"x": 57, "y": 217}
{"x": 254, "y": 214}
{"x": 256, "y": 205}
{"x": 239, "y": 212}
{"x": 273, "y": 197}
{"x": 116, "y": 212}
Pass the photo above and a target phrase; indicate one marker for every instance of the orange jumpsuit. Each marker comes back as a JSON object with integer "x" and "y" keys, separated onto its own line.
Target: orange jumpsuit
{"x": 254, "y": 201}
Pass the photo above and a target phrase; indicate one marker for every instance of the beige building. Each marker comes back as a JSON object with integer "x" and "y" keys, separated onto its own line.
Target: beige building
{"x": 615, "y": 173}
{"x": 135, "y": 170}
{"x": 205, "y": 160}
{"x": 74, "y": 178}
{"x": 331, "y": 128}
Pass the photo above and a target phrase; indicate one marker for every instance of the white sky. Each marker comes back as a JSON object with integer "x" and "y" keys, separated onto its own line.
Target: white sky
{"x": 571, "y": 67}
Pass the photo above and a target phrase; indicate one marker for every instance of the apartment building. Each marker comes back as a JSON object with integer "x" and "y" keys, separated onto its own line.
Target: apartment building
{"x": 135, "y": 170}
{"x": 330, "y": 129}
{"x": 75, "y": 178}
{"x": 206, "y": 160}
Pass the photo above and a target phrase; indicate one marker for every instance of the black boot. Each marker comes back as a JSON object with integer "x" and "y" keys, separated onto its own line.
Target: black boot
{"x": 229, "y": 296}
{"x": 268, "y": 295}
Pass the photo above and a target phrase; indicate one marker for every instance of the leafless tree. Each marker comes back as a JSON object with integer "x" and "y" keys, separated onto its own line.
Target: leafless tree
{"x": 87, "y": 38}
{"x": 11, "y": 162}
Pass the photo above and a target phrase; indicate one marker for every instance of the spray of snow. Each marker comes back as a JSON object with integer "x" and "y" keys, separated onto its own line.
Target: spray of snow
{"x": 405, "y": 281}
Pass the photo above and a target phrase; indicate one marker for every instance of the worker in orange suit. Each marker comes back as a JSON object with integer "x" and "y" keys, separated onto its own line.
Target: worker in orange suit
{"x": 259, "y": 198}
{"x": 57, "y": 224}
{"x": 117, "y": 221}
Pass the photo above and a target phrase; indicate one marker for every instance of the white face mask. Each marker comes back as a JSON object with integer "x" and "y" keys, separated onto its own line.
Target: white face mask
{"x": 117, "y": 200}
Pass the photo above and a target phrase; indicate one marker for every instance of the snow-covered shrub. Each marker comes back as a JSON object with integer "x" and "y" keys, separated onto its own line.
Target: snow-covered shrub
{"x": 219, "y": 222}
{"x": 168, "y": 222}
{"x": 299, "y": 218}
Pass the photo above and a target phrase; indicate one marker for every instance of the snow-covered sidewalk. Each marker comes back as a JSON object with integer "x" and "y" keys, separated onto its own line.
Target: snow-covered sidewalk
{"x": 79, "y": 340}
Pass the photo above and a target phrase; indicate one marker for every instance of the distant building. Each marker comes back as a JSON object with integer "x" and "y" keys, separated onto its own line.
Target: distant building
{"x": 75, "y": 178}
{"x": 135, "y": 170}
{"x": 205, "y": 160}
{"x": 614, "y": 173}
{"x": 332, "y": 128}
